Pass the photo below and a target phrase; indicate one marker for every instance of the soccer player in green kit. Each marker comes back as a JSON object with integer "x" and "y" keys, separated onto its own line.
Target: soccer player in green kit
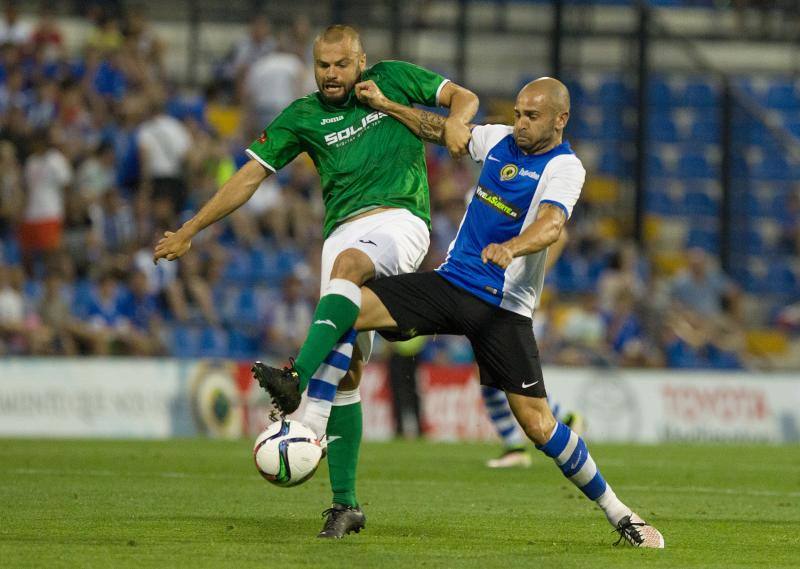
{"x": 377, "y": 219}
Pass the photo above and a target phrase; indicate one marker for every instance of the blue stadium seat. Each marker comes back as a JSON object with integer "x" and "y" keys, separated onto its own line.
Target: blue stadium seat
{"x": 613, "y": 92}
{"x": 242, "y": 345}
{"x": 655, "y": 166}
{"x": 185, "y": 342}
{"x": 213, "y": 342}
{"x": 662, "y": 128}
{"x": 704, "y": 238}
{"x": 247, "y": 309}
{"x": 781, "y": 279}
{"x": 782, "y": 96}
{"x": 700, "y": 93}
{"x": 11, "y": 255}
{"x": 264, "y": 265}
{"x": 660, "y": 93}
{"x": 238, "y": 268}
{"x": 611, "y": 163}
{"x": 695, "y": 165}
{"x": 700, "y": 203}
{"x": 706, "y": 131}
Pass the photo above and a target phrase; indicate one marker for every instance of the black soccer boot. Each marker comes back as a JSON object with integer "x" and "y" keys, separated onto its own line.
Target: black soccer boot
{"x": 638, "y": 533}
{"x": 341, "y": 520}
{"x": 283, "y": 385}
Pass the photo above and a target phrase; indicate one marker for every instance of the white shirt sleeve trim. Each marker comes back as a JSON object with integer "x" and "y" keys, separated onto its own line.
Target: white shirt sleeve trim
{"x": 439, "y": 90}
{"x": 260, "y": 160}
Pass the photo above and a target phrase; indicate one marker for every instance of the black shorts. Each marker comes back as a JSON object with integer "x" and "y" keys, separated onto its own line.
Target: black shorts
{"x": 503, "y": 342}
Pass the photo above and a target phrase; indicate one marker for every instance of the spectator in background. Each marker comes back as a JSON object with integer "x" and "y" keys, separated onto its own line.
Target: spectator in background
{"x": 13, "y": 332}
{"x": 584, "y": 330}
{"x": 623, "y": 273}
{"x": 110, "y": 322}
{"x": 142, "y": 309}
{"x": 47, "y": 38}
{"x": 701, "y": 286}
{"x": 106, "y": 36}
{"x": 12, "y": 29}
{"x": 141, "y": 38}
{"x": 270, "y": 84}
{"x": 11, "y": 195}
{"x": 403, "y": 364}
{"x": 164, "y": 144}
{"x": 291, "y": 318}
{"x": 258, "y": 43}
{"x": 47, "y": 174}
{"x": 54, "y": 311}
{"x": 113, "y": 224}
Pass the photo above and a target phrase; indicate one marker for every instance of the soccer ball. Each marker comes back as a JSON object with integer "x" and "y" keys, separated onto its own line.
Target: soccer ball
{"x": 287, "y": 453}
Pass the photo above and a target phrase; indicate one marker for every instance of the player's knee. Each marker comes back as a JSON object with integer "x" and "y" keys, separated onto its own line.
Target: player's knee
{"x": 538, "y": 426}
{"x": 354, "y": 266}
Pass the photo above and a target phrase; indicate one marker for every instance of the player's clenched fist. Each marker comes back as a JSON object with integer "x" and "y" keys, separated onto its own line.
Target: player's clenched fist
{"x": 171, "y": 246}
{"x": 369, "y": 93}
{"x": 456, "y": 137}
{"x": 498, "y": 254}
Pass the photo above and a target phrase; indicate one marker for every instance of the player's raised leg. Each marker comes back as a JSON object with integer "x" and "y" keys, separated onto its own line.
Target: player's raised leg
{"x": 572, "y": 457}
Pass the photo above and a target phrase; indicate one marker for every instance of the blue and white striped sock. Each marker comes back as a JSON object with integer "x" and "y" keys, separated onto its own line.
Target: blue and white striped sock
{"x": 570, "y": 454}
{"x": 324, "y": 383}
{"x": 503, "y": 420}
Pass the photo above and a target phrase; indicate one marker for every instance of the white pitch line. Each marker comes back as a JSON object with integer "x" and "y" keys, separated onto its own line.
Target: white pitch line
{"x": 110, "y": 473}
{"x": 710, "y": 490}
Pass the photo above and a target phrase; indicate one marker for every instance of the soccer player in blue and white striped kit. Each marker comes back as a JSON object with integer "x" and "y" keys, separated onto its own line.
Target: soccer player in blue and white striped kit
{"x": 494, "y": 271}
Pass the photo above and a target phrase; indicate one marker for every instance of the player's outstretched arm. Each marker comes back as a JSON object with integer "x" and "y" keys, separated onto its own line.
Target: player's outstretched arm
{"x": 463, "y": 105}
{"x": 538, "y": 235}
{"x": 233, "y": 194}
{"x": 555, "y": 250}
{"x": 425, "y": 124}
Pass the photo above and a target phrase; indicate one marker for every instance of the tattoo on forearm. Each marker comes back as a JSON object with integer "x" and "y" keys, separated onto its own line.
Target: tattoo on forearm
{"x": 431, "y": 127}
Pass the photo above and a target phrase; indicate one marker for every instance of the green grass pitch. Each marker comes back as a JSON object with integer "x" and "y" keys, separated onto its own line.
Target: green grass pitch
{"x": 200, "y": 503}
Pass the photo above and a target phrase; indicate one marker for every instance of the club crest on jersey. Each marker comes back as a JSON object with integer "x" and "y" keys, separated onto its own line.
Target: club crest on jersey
{"x": 508, "y": 172}
{"x": 263, "y": 138}
{"x": 351, "y": 131}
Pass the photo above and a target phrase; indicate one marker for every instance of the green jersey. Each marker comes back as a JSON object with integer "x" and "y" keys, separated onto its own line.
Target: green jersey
{"x": 365, "y": 158}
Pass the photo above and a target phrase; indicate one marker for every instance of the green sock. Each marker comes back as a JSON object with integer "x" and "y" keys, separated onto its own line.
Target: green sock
{"x": 335, "y": 315}
{"x": 345, "y": 423}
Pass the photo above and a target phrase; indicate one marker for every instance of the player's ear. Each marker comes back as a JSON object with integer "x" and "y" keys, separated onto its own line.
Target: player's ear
{"x": 561, "y": 120}
{"x": 362, "y": 61}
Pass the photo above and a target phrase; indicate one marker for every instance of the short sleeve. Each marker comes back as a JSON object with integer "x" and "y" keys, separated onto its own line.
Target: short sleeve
{"x": 278, "y": 144}
{"x": 485, "y": 137}
{"x": 420, "y": 85}
{"x": 563, "y": 177}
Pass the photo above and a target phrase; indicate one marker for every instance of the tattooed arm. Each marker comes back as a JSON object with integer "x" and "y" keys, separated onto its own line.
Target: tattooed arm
{"x": 540, "y": 234}
{"x": 425, "y": 124}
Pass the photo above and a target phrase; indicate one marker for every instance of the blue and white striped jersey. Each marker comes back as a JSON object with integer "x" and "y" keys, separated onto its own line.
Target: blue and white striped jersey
{"x": 510, "y": 189}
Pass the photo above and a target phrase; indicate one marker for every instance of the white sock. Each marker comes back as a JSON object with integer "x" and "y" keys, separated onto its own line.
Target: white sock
{"x": 613, "y": 507}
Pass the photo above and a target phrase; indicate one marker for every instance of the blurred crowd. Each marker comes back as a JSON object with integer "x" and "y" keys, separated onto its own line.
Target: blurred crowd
{"x": 100, "y": 154}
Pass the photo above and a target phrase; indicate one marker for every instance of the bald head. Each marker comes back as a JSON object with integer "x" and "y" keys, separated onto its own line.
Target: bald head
{"x": 340, "y": 33}
{"x": 339, "y": 60}
{"x": 540, "y": 115}
{"x": 549, "y": 90}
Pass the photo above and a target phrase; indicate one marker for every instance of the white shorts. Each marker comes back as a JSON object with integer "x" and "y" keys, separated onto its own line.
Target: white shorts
{"x": 396, "y": 240}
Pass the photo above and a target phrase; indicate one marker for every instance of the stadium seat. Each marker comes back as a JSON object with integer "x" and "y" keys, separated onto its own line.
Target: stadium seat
{"x": 659, "y": 93}
{"x": 782, "y": 95}
{"x": 242, "y": 345}
{"x": 706, "y": 131}
{"x": 700, "y": 93}
{"x": 213, "y": 342}
{"x": 662, "y": 128}
{"x": 700, "y": 203}
{"x": 704, "y": 239}
{"x": 695, "y": 165}
{"x": 185, "y": 342}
